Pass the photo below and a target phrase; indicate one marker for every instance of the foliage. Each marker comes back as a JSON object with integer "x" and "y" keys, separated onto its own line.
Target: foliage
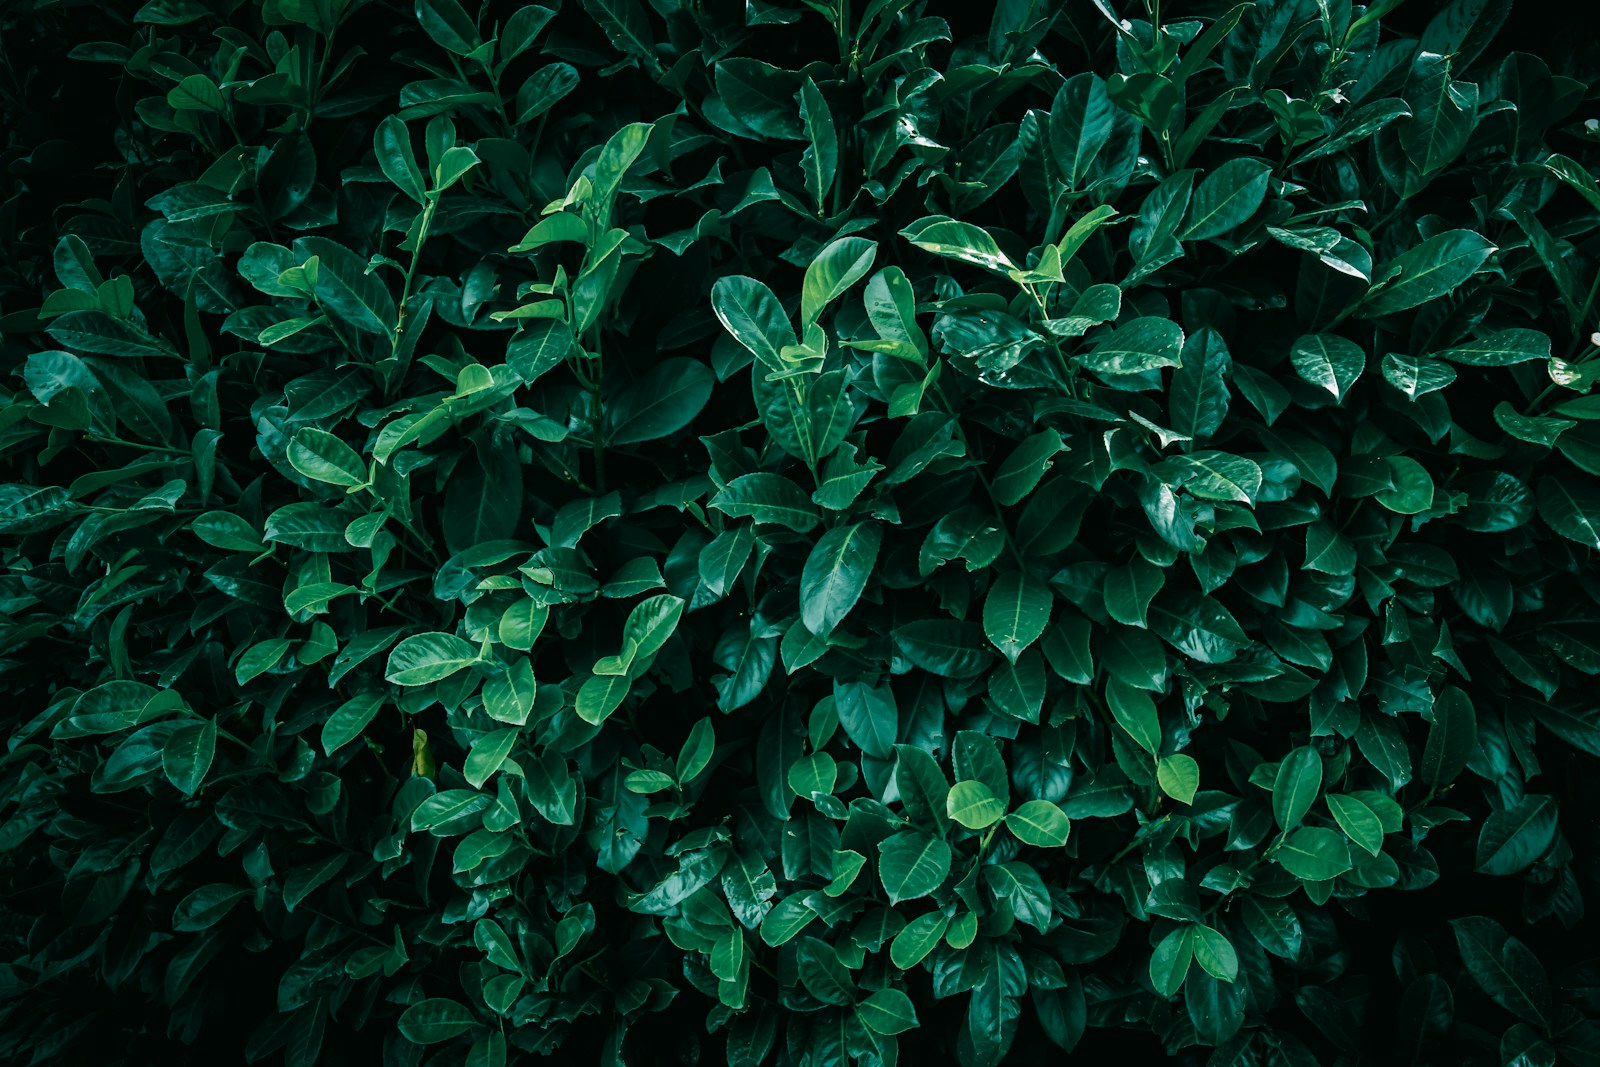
{"x": 798, "y": 532}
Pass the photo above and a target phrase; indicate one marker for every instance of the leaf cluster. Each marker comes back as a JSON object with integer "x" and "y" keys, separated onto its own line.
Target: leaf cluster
{"x": 798, "y": 532}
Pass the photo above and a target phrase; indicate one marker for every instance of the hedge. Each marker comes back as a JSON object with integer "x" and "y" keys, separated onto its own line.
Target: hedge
{"x": 799, "y": 532}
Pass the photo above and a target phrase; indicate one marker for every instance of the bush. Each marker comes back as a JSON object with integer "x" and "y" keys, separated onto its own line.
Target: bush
{"x": 798, "y": 533}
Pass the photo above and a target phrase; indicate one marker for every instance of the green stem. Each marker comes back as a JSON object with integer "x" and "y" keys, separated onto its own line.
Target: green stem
{"x": 1534, "y": 403}
{"x": 1579, "y": 340}
{"x": 1248, "y": 870}
{"x": 322, "y": 70}
{"x": 1138, "y": 839}
{"x": 411, "y": 270}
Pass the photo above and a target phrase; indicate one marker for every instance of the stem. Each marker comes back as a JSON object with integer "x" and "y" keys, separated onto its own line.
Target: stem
{"x": 1245, "y": 872}
{"x": 1577, "y": 323}
{"x": 322, "y": 70}
{"x": 1546, "y": 391}
{"x": 1138, "y": 839}
{"x": 411, "y": 270}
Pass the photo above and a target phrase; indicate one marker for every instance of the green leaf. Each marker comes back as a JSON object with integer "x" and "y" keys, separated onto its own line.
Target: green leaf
{"x": 944, "y": 236}
{"x": 1358, "y": 821}
{"x": 1020, "y": 472}
{"x": 1416, "y": 376}
{"x": 1136, "y": 713}
{"x": 422, "y": 659}
{"x": 206, "y": 906}
{"x": 786, "y": 919}
{"x": 1315, "y": 854}
{"x": 1274, "y": 925}
{"x": 508, "y": 697}
{"x": 945, "y": 647}
{"x": 977, "y": 757}
{"x": 1428, "y": 270}
{"x": 1039, "y": 823}
{"x": 820, "y": 160}
{"x": 750, "y": 312}
{"x": 196, "y": 92}
{"x": 1571, "y": 508}
{"x": 1179, "y": 777}
{"x": 1149, "y": 97}
{"x": 187, "y": 756}
{"x": 545, "y": 88}
{"x": 302, "y": 881}
{"x": 1444, "y": 114}
{"x": 868, "y": 715}
{"x": 1503, "y": 348}
{"x": 1212, "y": 475}
{"x": 923, "y": 788}
{"x": 450, "y": 812}
{"x": 1504, "y": 968}
{"x": 1015, "y": 612}
{"x": 489, "y": 755}
{"x": 1140, "y": 345}
{"x": 1227, "y": 197}
{"x": 842, "y": 479}
{"x": 1169, "y": 963}
{"x": 919, "y": 937}
{"x": 1329, "y": 362}
{"x": 1513, "y": 838}
{"x": 838, "y": 266}
{"x": 322, "y": 457}
{"x": 697, "y": 751}
{"x": 1412, "y": 491}
{"x": 1215, "y": 953}
{"x": 1296, "y": 786}
{"x": 912, "y": 865}
{"x": 1129, "y": 589}
{"x": 350, "y": 719}
{"x": 847, "y": 865}
{"x": 973, "y": 806}
{"x": 624, "y": 24}
{"x": 835, "y": 574}
{"x": 1575, "y": 175}
{"x": 436, "y": 1019}
{"x": 1452, "y": 738}
{"x": 449, "y": 25}
{"x": 816, "y": 773}
{"x": 391, "y": 142}
{"x": 344, "y": 288}
{"x": 660, "y": 403}
{"x": 822, "y": 973}
{"x": 887, "y": 1011}
{"x": 1198, "y": 400}
{"x": 767, "y": 498}
{"x": 1081, "y": 120}
{"x": 760, "y": 97}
